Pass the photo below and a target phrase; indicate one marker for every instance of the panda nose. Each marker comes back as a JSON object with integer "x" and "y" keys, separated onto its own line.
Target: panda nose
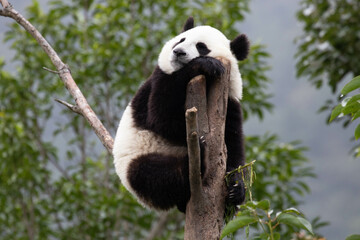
{"x": 179, "y": 52}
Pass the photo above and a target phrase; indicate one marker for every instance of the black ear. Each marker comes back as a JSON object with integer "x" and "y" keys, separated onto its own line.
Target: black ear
{"x": 240, "y": 47}
{"x": 189, "y": 24}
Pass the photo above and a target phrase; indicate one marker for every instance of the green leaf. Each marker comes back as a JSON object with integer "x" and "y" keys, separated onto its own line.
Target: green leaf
{"x": 356, "y": 115}
{"x": 277, "y": 236}
{"x": 336, "y": 112}
{"x": 264, "y": 205}
{"x": 237, "y": 223}
{"x": 357, "y": 132}
{"x": 295, "y": 221}
{"x": 290, "y": 210}
{"x": 353, "y": 237}
{"x": 351, "y": 108}
{"x": 353, "y": 99}
{"x": 351, "y": 86}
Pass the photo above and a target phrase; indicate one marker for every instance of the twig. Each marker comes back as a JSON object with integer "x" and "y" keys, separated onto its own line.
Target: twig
{"x": 52, "y": 71}
{"x": 5, "y": 4}
{"x": 65, "y": 75}
{"x": 240, "y": 168}
{"x": 73, "y": 108}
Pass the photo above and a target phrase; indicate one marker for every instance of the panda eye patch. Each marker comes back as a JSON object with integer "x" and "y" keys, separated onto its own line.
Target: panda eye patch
{"x": 202, "y": 48}
{"x": 181, "y": 40}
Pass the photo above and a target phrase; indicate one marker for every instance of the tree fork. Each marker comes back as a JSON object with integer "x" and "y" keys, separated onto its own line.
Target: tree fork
{"x": 205, "y": 210}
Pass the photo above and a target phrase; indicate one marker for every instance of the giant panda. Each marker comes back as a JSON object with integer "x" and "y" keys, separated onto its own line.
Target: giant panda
{"x": 150, "y": 153}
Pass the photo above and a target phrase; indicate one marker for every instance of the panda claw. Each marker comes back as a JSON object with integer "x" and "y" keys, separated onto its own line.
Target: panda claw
{"x": 202, "y": 139}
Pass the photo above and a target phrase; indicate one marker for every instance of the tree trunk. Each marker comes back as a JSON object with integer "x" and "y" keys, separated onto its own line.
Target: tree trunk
{"x": 205, "y": 210}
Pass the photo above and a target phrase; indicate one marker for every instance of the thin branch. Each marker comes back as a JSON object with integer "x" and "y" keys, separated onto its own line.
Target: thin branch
{"x": 194, "y": 154}
{"x": 240, "y": 168}
{"x": 156, "y": 229}
{"x": 49, "y": 70}
{"x": 30, "y": 228}
{"x": 64, "y": 74}
{"x": 5, "y": 4}
{"x": 73, "y": 108}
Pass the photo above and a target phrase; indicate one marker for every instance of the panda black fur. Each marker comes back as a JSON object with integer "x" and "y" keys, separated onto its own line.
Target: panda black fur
{"x": 150, "y": 153}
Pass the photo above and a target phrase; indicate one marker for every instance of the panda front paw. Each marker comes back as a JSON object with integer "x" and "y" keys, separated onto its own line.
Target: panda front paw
{"x": 210, "y": 67}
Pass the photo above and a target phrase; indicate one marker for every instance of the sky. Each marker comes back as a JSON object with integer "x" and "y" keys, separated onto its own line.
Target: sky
{"x": 336, "y": 191}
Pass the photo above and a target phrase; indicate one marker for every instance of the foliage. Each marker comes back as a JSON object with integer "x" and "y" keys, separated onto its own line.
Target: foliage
{"x": 56, "y": 181}
{"x": 328, "y": 51}
{"x": 349, "y": 106}
{"x": 283, "y": 171}
{"x": 280, "y": 171}
{"x": 353, "y": 237}
{"x": 260, "y": 213}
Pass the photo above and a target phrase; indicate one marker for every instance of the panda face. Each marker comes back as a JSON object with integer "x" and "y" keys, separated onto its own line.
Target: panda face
{"x": 198, "y": 41}
{"x": 184, "y": 51}
{"x": 201, "y": 41}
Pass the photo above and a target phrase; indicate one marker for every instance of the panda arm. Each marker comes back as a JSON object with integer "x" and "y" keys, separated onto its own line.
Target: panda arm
{"x": 139, "y": 104}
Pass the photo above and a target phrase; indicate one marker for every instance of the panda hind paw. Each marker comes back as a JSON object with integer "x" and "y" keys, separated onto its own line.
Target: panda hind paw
{"x": 236, "y": 193}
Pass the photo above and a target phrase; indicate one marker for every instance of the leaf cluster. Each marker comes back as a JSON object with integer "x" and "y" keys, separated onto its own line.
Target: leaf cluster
{"x": 281, "y": 170}
{"x": 349, "y": 106}
{"x": 259, "y": 213}
{"x": 328, "y": 48}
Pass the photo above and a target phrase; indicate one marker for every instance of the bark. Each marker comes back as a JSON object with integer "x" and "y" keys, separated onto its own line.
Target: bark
{"x": 205, "y": 210}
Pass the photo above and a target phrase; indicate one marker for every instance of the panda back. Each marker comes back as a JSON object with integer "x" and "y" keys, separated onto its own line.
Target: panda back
{"x": 132, "y": 142}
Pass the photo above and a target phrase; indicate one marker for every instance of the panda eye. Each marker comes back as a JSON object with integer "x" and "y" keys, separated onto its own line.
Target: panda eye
{"x": 202, "y": 48}
{"x": 201, "y": 45}
{"x": 181, "y": 40}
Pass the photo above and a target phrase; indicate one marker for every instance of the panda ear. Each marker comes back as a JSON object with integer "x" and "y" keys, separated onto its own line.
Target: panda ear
{"x": 189, "y": 24}
{"x": 240, "y": 47}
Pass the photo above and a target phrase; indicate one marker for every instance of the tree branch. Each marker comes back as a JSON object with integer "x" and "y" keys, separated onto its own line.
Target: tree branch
{"x": 194, "y": 154}
{"x": 205, "y": 210}
{"x": 64, "y": 74}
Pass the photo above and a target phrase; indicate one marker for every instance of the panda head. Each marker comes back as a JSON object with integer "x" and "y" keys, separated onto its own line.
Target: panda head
{"x": 199, "y": 41}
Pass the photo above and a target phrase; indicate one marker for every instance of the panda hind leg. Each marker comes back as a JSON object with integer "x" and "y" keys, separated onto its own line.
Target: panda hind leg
{"x": 162, "y": 181}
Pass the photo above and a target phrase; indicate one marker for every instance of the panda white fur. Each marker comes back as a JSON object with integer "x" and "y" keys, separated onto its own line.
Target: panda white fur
{"x": 150, "y": 153}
